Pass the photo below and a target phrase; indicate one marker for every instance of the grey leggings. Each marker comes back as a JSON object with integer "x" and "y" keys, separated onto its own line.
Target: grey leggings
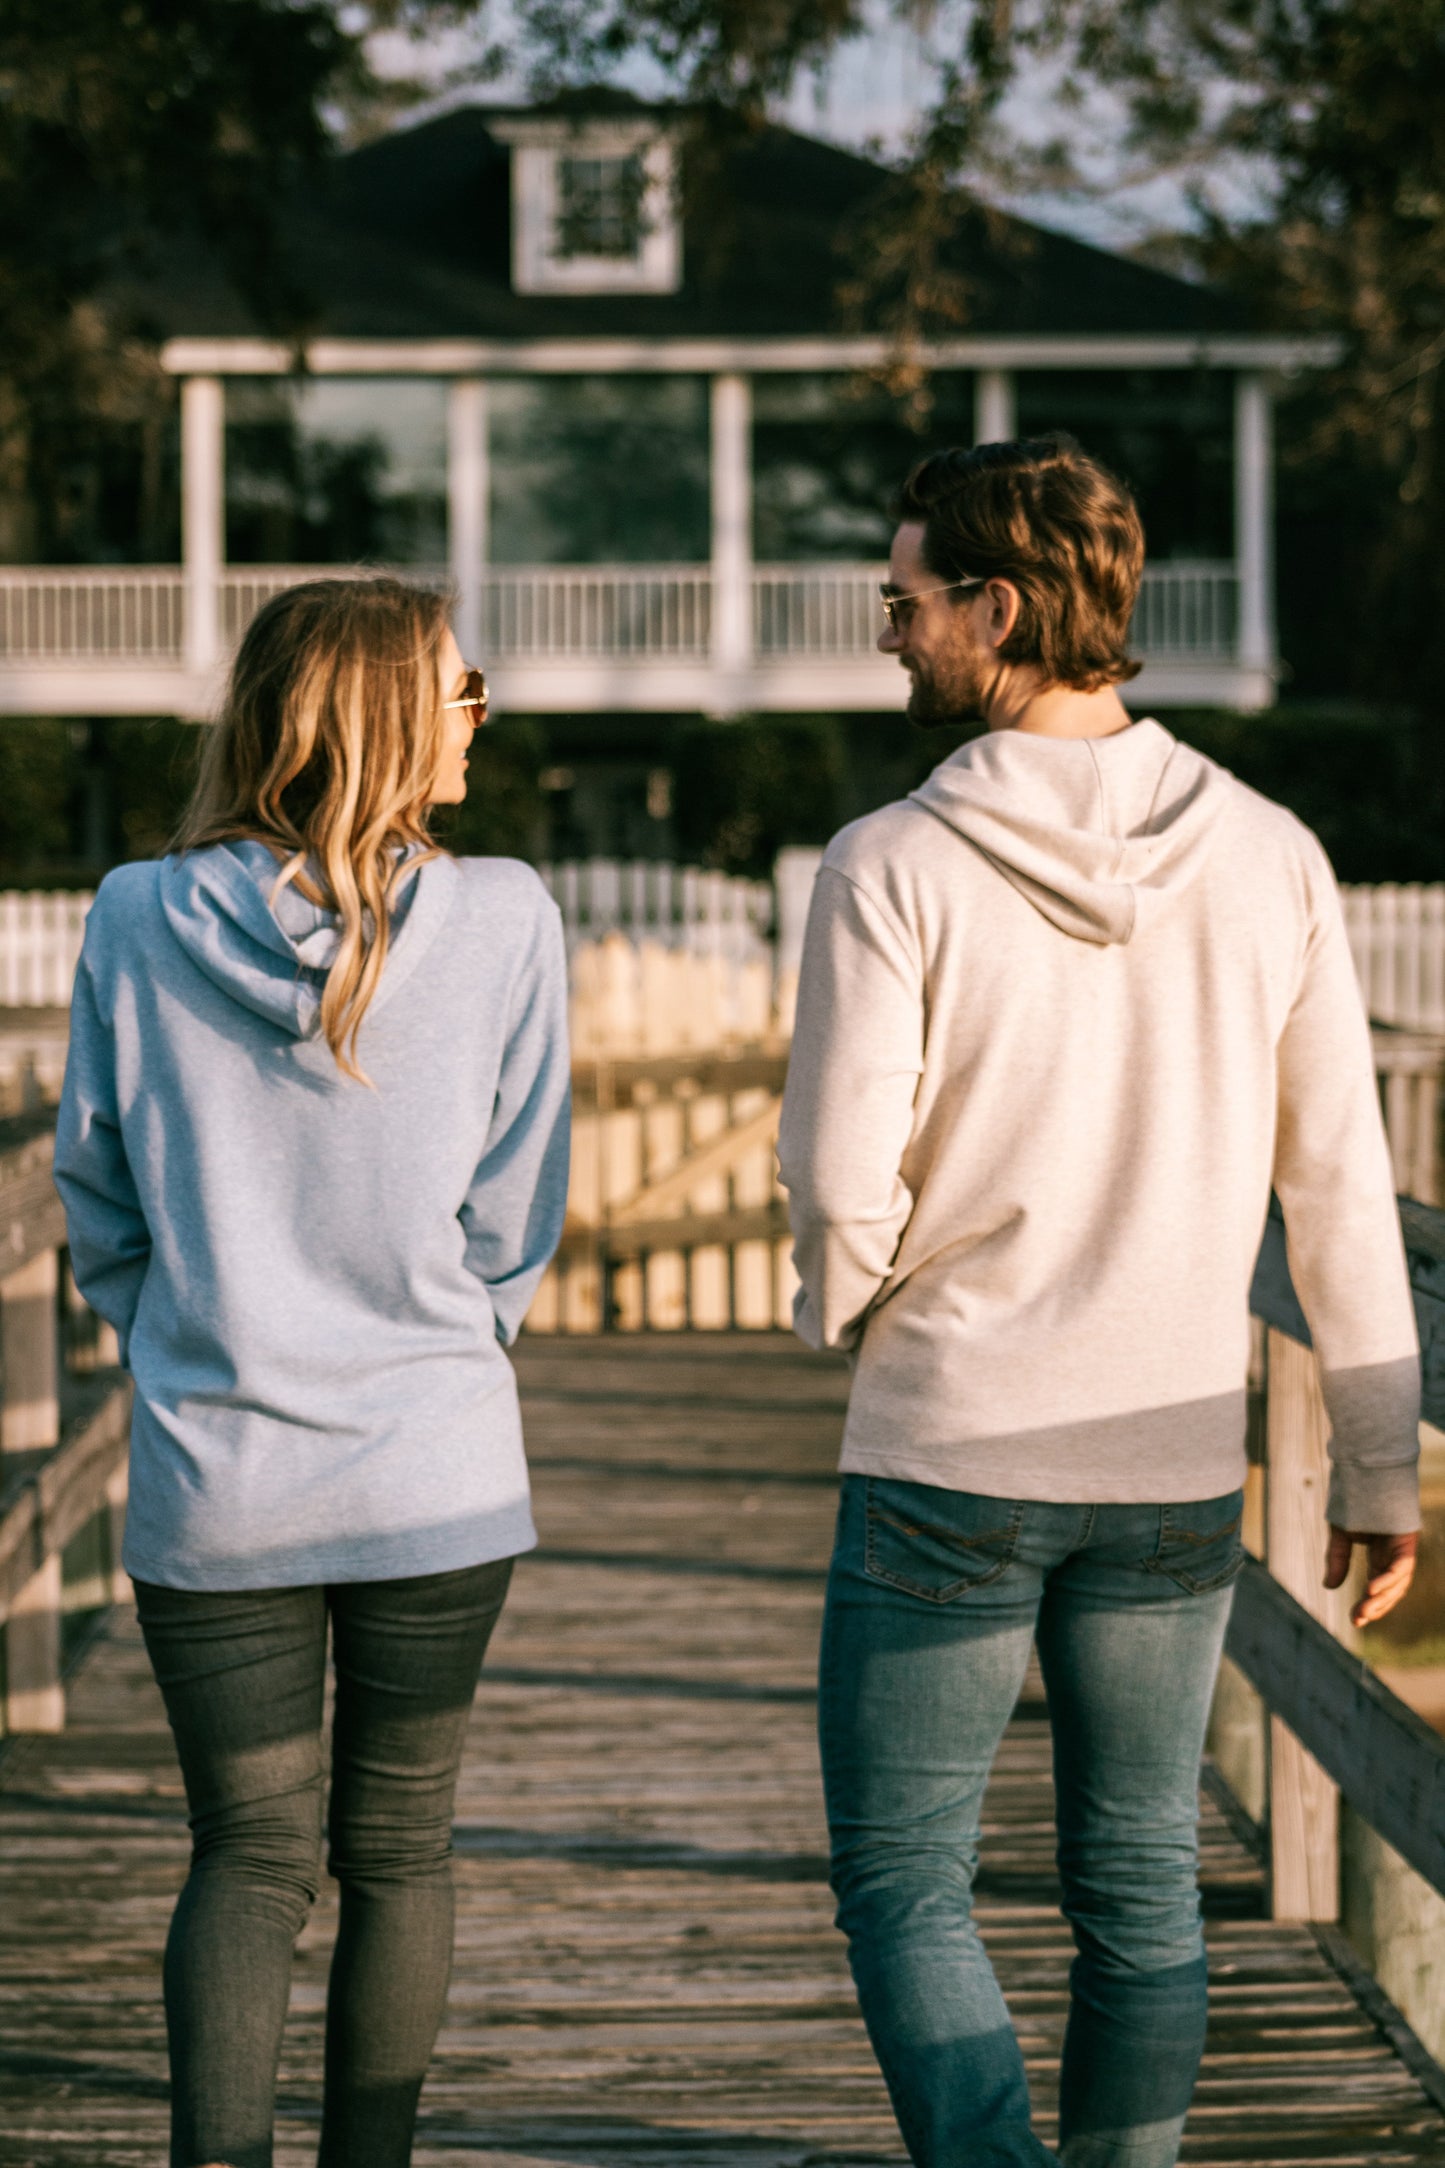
{"x": 243, "y": 1676}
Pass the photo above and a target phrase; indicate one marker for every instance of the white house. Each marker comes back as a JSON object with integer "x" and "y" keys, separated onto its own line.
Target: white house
{"x": 619, "y": 402}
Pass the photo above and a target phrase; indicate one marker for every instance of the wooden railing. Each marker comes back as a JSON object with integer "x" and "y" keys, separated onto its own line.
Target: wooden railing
{"x": 675, "y": 1221}
{"x": 62, "y": 1491}
{"x": 1335, "y": 1730}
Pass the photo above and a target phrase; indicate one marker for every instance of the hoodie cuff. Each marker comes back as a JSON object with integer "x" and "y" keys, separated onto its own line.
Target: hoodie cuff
{"x": 1375, "y": 1501}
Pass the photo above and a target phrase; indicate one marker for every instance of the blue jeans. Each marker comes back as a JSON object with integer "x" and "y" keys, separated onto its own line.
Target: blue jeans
{"x": 933, "y": 1599}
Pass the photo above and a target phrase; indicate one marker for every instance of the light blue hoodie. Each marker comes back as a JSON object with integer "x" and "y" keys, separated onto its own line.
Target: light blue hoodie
{"x": 314, "y": 1280}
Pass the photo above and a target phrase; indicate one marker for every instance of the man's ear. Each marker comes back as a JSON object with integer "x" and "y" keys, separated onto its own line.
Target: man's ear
{"x": 1004, "y": 605}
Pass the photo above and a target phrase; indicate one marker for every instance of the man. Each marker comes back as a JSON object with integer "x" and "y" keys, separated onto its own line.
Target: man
{"x": 1065, "y": 1015}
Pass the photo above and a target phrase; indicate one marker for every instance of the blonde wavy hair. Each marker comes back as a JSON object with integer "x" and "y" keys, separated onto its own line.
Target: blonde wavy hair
{"x": 326, "y": 750}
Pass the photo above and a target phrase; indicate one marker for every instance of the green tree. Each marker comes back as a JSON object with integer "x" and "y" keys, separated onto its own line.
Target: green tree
{"x": 123, "y": 126}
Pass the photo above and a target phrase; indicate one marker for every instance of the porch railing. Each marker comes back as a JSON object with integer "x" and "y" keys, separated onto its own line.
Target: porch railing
{"x": 92, "y": 613}
{"x": 562, "y": 613}
{"x": 559, "y": 613}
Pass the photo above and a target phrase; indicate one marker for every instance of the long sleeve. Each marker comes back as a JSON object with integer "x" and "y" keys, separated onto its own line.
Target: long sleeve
{"x": 110, "y": 1242}
{"x": 1335, "y": 1184}
{"x": 517, "y": 1200}
{"x": 848, "y": 1108}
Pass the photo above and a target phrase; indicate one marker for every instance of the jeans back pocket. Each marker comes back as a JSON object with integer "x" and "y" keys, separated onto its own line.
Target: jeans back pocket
{"x": 1199, "y": 1542}
{"x": 934, "y": 1543}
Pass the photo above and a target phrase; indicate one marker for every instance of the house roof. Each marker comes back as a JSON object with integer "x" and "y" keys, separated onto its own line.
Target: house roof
{"x": 409, "y": 237}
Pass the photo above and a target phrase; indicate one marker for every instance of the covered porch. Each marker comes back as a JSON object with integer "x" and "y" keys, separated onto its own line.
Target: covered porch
{"x": 726, "y": 625}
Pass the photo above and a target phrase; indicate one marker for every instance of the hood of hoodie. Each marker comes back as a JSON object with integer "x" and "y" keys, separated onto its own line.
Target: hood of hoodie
{"x": 1100, "y": 834}
{"x": 273, "y": 960}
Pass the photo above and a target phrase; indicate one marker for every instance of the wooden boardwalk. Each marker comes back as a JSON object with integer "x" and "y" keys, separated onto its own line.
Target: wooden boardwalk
{"x": 647, "y": 1970}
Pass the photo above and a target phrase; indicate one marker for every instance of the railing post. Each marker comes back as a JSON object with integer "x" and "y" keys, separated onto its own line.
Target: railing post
{"x": 1254, "y": 522}
{"x": 30, "y": 1355}
{"x": 732, "y": 533}
{"x": 203, "y": 516}
{"x": 117, "y": 1491}
{"x": 30, "y": 1422}
{"x": 995, "y": 416}
{"x": 1304, "y": 1807}
{"x": 467, "y": 488}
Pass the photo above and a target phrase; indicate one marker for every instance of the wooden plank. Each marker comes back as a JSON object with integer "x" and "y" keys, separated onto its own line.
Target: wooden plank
{"x": 1386, "y": 1760}
{"x": 34, "y": 1696}
{"x": 647, "y": 1968}
{"x": 30, "y": 1354}
{"x": 31, "y": 1219}
{"x": 61, "y": 1494}
{"x": 1303, "y": 1803}
{"x": 626, "y": 1239}
{"x": 639, "y": 1080}
{"x": 705, "y": 1163}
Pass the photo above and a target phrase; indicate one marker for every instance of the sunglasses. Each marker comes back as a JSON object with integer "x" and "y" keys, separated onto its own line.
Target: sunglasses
{"x": 894, "y": 604}
{"x": 474, "y": 699}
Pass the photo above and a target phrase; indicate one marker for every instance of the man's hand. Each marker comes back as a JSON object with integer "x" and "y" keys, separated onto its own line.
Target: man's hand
{"x": 1391, "y": 1564}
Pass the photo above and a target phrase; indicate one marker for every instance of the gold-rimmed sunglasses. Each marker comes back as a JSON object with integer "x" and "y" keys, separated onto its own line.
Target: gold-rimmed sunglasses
{"x": 893, "y": 603}
{"x": 473, "y": 699}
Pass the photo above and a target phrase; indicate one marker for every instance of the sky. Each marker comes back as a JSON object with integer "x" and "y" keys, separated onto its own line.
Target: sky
{"x": 873, "y": 92}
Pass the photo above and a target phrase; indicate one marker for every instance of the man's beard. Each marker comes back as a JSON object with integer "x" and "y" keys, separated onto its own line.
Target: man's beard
{"x": 950, "y": 697}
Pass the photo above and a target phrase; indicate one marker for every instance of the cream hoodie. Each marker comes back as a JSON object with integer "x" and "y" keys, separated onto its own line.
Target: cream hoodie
{"x": 1065, "y": 1015}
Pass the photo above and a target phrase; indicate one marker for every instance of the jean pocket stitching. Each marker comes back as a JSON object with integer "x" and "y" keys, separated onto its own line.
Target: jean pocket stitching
{"x": 1008, "y": 1535}
{"x": 1172, "y": 1557}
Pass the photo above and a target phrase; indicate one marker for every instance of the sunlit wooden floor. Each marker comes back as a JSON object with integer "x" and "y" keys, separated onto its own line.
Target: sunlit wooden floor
{"x": 646, "y": 1970}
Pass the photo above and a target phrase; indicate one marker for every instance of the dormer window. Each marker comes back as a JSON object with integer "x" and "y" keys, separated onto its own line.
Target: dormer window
{"x": 594, "y": 207}
{"x": 600, "y": 206}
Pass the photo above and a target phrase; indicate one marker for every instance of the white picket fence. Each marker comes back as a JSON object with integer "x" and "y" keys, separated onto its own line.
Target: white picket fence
{"x": 681, "y": 908}
{"x": 662, "y": 958}
{"x": 40, "y": 936}
{"x": 1397, "y": 938}
{"x": 1397, "y": 932}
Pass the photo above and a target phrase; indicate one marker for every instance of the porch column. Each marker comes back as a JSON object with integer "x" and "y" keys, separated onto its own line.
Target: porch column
{"x": 732, "y": 524}
{"x": 1254, "y": 521}
{"x": 467, "y": 493}
{"x": 994, "y": 417}
{"x": 203, "y": 516}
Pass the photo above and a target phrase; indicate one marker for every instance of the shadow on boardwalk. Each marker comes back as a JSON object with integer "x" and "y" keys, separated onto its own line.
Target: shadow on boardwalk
{"x": 646, "y": 1967}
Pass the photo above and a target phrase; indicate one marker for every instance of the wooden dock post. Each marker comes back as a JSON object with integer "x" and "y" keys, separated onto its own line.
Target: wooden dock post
{"x": 30, "y": 1422}
{"x": 1304, "y": 1807}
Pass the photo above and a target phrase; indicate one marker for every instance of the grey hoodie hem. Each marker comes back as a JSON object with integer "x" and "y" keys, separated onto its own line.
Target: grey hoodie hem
{"x": 384, "y": 1555}
{"x": 992, "y": 1475}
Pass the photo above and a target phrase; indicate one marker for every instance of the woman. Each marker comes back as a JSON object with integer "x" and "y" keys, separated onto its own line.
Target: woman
{"x": 313, "y": 1153}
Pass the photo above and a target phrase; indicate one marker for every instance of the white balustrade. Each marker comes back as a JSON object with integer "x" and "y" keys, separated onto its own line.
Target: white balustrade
{"x": 559, "y": 613}
{"x": 91, "y": 613}
{"x": 247, "y": 588}
{"x": 565, "y": 613}
{"x": 816, "y": 611}
{"x": 1187, "y": 612}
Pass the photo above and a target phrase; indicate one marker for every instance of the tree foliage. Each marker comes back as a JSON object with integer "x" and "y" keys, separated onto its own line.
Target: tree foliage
{"x": 122, "y": 126}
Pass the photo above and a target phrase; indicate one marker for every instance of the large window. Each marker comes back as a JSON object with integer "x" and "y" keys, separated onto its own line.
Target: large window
{"x": 336, "y": 470}
{"x": 829, "y": 453}
{"x": 1167, "y": 432}
{"x": 599, "y": 470}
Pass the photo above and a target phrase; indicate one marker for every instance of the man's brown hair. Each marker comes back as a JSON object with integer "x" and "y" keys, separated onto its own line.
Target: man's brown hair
{"x": 1042, "y": 514}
